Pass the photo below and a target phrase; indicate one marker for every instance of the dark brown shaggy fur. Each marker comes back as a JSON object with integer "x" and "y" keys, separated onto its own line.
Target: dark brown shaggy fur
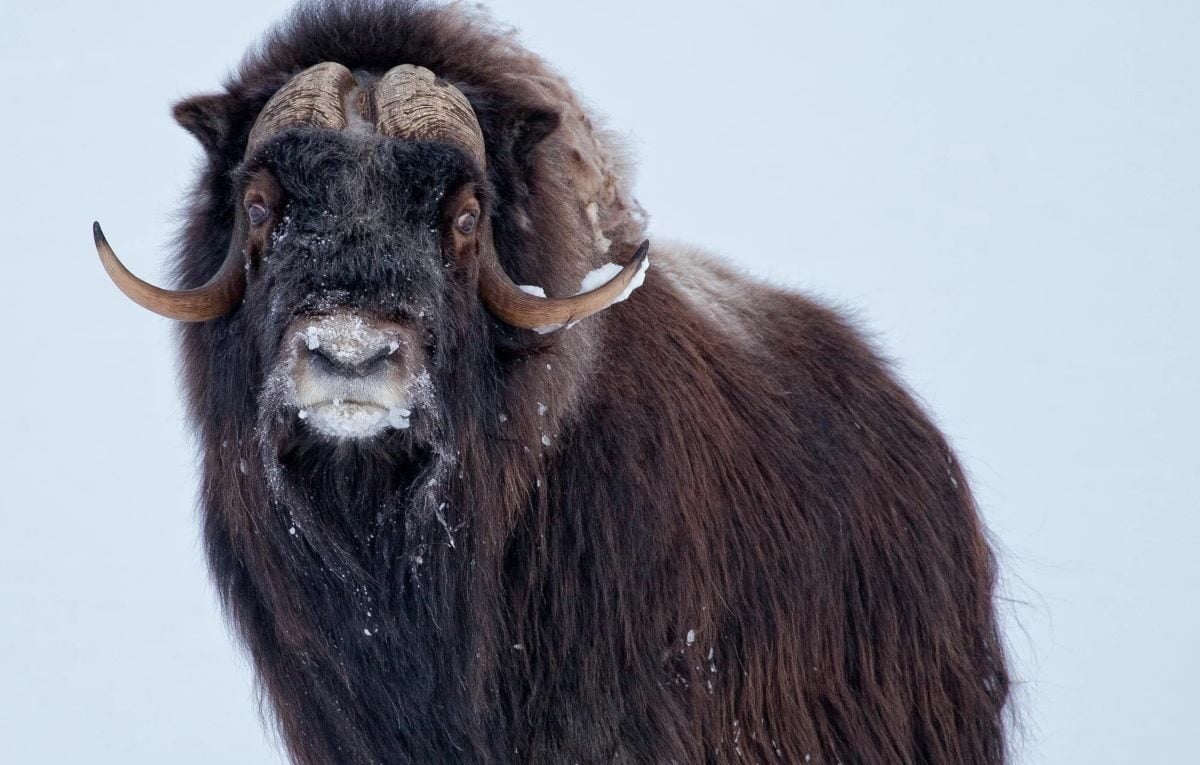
{"x": 745, "y": 542}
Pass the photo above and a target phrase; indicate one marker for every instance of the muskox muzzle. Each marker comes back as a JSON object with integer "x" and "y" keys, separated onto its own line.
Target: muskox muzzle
{"x": 351, "y": 375}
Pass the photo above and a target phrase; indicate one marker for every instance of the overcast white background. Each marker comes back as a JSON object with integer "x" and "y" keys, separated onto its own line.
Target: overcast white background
{"x": 1008, "y": 199}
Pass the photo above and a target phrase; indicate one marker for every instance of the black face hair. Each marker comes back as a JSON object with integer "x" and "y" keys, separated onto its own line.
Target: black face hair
{"x": 360, "y": 228}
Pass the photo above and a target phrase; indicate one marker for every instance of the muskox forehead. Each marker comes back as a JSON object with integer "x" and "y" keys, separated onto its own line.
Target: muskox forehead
{"x": 348, "y": 173}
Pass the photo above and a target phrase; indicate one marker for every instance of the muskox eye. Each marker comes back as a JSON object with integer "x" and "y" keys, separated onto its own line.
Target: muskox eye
{"x": 257, "y": 213}
{"x": 465, "y": 222}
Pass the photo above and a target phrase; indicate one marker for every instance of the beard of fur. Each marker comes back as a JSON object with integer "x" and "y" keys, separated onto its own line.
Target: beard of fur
{"x": 372, "y": 560}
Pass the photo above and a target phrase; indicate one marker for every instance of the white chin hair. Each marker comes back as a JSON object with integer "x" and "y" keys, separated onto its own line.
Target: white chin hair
{"x": 341, "y": 419}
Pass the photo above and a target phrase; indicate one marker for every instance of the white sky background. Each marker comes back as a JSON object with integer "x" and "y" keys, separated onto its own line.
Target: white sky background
{"x": 1008, "y": 199}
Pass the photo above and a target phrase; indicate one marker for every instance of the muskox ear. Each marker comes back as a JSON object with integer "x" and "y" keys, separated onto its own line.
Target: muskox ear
{"x": 208, "y": 118}
{"x": 528, "y": 127}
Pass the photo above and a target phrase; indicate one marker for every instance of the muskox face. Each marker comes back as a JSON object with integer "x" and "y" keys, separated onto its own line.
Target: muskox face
{"x": 358, "y": 276}
{"x": 360, "y": 248}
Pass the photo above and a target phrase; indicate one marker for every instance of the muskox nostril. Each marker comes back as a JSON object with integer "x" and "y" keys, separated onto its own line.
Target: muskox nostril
{"x": 349, "y": 345}
{"x": 331, "y": 362}
{"x": 377, "y": 362}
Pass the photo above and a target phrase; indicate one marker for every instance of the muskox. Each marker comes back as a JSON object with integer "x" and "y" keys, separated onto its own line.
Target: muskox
{"x": 457, "y": 521}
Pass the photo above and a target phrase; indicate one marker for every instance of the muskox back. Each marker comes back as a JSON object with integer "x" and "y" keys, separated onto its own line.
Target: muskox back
{"x": 704, "y": 525}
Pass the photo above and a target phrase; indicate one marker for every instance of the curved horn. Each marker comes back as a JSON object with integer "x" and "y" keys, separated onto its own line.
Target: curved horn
{"x": 215, "y": 298}
{"x": 512, "y": 305}
{"x": 313, "y": 97}
{"x": 412, "y": 103}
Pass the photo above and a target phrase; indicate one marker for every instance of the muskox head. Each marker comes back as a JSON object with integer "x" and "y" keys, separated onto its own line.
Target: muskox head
{"x": 361, "y": 245}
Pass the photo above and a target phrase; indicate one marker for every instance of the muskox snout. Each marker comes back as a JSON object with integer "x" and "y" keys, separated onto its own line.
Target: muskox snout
{"x": 373, "y": 359}
{"x": 352, "y": 375}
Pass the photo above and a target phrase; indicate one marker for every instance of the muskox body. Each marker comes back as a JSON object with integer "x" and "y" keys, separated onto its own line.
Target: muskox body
{"x": 704, "y": 525}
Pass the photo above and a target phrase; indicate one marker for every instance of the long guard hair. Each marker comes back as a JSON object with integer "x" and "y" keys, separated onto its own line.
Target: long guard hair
{"x": 704, "y": 526}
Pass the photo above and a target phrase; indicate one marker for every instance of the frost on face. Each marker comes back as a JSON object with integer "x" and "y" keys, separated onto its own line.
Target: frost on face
{"x": 312, "y": 338}
{"x": 347, "y": 338}
{"x": 359, "y": 418}
{"x": 352, "y": 405}
{"x": 342, "y": 419}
